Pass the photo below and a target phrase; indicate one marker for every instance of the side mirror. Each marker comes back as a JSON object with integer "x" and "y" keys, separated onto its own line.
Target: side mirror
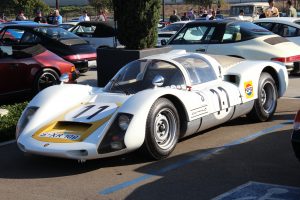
{"x": 158, "y": 81}
{"x": 64, "y": 78}
{"x": 163, "y": 42}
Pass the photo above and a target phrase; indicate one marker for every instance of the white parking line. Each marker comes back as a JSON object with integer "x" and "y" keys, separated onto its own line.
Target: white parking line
{"x": 293, "y": 98}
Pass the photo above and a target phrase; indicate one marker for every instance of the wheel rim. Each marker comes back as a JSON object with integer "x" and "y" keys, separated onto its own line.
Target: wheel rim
{"x": 165, "y": 129}
{"x": 268, "y": 97}
{"x": 46, "y": 80}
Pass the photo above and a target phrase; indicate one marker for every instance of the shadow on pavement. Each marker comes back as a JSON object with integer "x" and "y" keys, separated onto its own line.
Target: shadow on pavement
{"x": 268, "y": 159}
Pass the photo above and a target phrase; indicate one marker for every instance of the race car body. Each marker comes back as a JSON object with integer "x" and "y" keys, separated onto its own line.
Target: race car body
{"x": 149, "y": 104}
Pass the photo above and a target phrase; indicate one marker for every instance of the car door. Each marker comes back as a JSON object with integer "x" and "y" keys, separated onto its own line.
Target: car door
{"x": 192, "y": 38}
{"x": 10, "y": 81}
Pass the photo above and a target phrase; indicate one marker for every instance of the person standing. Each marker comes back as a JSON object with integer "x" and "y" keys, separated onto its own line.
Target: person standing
{"x": 50, "y": 17}
{"x": 174, "y": 17}
{"x": 213, "y": 15}
{"x": 57, "y": 19}
{"x": 185, "y": 17}
{"x": 102, "y": 17}
{"x": 84, "y": 17}
{"x": 39, "y": 18}
{"x": 241, "y": 15}
{"x": 291, "y": 11}
{"x": 21, "y": 16}
{"x": 272, "y": 11}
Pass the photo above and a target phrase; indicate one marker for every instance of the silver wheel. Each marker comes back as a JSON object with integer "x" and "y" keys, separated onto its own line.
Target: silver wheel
{"x": 268, "y": 97}
{"x": 46, "y": 78}
{"x": 165, "y": 129}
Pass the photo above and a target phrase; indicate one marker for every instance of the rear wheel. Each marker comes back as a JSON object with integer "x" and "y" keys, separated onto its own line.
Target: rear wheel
{"x": 45, "y": 78}
{"x": 162, "y": 129}
{"x": 266, "y": 103}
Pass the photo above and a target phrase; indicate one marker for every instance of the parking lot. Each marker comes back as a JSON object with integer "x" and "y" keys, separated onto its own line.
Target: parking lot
{"x": 238, "y": 160}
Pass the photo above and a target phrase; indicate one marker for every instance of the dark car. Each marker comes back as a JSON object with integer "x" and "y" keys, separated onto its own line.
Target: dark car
{"x": 30, "y": 70}
{"x": 296, "y": 135}
{"x": 61, "y": 42}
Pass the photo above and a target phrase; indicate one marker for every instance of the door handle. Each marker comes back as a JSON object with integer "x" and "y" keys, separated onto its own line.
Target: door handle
{"x": 200, "y": 50}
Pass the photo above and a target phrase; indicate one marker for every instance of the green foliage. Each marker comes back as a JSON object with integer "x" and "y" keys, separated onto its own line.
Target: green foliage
{"x": 137, "y": 22}
{"x": 8, "y": 122}
{"x": 101, "y": 4}
{"x": 28, "y": 6}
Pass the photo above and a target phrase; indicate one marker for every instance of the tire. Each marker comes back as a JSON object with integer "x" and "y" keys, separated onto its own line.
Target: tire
{"x": 44, "y": 79}
{"x": 162, "y": 129}
{"x": 83, "y": 70}
{"x": 266, "y": 103}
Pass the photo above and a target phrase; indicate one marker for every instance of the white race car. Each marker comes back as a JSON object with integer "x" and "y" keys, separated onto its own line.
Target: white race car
{"x": 150, "y": 103}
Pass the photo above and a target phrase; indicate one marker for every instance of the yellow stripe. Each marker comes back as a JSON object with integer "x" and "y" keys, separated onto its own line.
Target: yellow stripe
{"x": 74, "y": 129}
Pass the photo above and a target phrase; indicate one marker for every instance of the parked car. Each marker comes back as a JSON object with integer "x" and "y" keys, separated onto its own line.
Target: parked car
{"x": 68, "y": 25}
{"x": 31, "y": 70}
{"x": 296, "y": 135}
{"x": 241, "y": 39}
{"x": 98, "y": 34}
{"x": 168, "y": 31}
{"x": 61, "y": 42}
{"x": 149, "y": 104}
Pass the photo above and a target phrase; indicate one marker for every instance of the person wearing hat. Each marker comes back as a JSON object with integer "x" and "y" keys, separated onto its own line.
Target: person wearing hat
{"x": 84, "y": 17}
{"x": 39, "y": 18}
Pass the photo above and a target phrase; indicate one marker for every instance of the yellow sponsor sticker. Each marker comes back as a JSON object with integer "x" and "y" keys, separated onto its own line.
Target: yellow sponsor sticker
{"x": 249, "y": 89}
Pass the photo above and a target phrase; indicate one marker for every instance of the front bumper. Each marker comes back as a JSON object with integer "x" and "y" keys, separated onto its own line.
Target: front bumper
{"x": 296, "y": 143}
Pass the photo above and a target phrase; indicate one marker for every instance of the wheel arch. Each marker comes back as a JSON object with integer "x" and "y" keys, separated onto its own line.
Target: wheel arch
{"x": 183, "y": 116}
{"x": 270, "y": 70}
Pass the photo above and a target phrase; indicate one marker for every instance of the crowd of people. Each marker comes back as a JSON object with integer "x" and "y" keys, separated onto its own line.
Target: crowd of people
{"x": 211, "y": 14}
{"x": 55, "y": 18}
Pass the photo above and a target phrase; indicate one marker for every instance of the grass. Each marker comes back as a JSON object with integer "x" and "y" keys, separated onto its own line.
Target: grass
{"x": 9, "y": 122}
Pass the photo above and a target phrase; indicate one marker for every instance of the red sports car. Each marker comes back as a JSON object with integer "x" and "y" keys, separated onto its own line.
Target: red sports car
{"x": 31, "y": 70}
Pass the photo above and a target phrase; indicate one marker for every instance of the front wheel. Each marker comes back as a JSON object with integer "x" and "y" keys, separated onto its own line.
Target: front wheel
{"x": 162, "y": 129}
{"x": 266, "y": 103}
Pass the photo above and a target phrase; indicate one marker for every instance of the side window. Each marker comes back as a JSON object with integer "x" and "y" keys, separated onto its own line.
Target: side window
{"x": 12, "y": 36}
{"x": 232, "y": 34}
{"x": 276, "y": 29}
{"x": 190, "y": 35}
{"x": 5, "y": 51}
{"x": 198, "y": 70}
{"x": 288, "y": 31}
{"x": 172, "y": 75}
{"x": 29, "y": 38}
{"x": 266, "y": 25}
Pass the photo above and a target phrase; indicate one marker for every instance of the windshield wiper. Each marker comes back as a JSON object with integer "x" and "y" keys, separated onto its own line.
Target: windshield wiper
{"x": 116, "y": 84}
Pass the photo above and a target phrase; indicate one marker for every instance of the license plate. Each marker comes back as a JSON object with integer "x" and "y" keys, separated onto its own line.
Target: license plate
{"x": 92, "y": 63}
{"x": 60, "y": 135}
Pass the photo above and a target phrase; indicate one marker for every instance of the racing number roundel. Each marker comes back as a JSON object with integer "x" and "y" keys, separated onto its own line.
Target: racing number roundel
{"x": 249, "y": 89}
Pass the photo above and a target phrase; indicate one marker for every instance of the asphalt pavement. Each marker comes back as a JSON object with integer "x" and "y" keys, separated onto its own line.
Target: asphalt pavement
{"x": 238, "y": 160}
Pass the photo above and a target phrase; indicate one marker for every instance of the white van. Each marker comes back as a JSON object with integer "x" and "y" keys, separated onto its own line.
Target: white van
{"x": 251, "y": 10}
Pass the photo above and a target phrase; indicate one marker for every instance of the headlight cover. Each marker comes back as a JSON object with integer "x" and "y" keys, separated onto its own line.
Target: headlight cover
{"x": 114, "y": 137}
{"x": 24, "y": 119}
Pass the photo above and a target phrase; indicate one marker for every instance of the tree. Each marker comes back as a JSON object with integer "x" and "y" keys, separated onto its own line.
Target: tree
{"x": 29, "y": 6}
{"x": 101, "y": 4}
{"x": 137, "y": 22}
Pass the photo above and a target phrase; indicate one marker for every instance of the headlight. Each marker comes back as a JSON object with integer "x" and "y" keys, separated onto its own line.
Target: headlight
{"x": 24, "y": 119}
{"x": 124, "y": 121}
{"x": 114, "y": 137}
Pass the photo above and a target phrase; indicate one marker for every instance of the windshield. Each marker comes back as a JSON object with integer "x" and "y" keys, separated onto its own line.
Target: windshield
{"x": 235, "y": 10}
{"x": 56, "y": 33}
{"x": 172, "y": 27}
{"x": 138, "y": 75}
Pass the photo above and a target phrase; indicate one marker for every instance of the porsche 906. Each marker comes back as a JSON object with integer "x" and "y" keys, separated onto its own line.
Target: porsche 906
{"x": 149, "y": 104}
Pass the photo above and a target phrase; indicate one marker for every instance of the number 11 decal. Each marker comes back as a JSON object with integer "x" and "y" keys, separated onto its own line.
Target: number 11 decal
{"x": 87, "y": 108}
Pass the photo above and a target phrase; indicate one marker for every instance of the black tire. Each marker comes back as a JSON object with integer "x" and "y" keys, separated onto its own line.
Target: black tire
{"x": 162, "y": 129}
{"x": 44, "y": 79}
{"x": 266, "y": 103}
{"x": 83, "y": 70}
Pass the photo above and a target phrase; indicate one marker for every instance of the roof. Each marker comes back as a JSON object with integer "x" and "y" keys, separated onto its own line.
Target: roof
{"x": 95, "y": 23}
{"x": 219, "y": 21}
{"x": 251, "y": 3}
{"x": 27, "y": 25}
{"x": 283, "y": 20}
